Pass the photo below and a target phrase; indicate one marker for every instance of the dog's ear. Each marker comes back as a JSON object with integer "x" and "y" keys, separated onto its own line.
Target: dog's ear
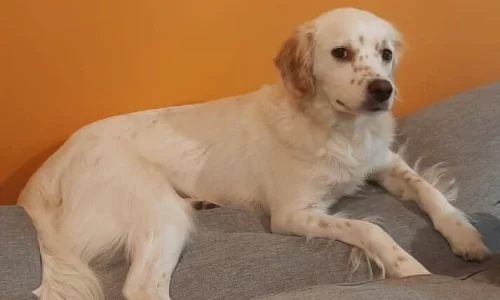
{"x": 295, "y": 62}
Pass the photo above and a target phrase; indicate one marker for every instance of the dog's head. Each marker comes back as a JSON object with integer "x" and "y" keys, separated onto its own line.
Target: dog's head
{"x": 348, "y": 56}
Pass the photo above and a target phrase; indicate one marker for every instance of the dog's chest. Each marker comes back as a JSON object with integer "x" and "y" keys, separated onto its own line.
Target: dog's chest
{"x": 345, "y": 164}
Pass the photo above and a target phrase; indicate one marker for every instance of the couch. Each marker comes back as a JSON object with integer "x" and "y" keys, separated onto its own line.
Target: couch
{"x": 234, "y": 256}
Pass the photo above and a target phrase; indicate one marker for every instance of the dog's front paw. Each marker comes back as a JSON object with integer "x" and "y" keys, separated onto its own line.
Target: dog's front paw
{"x": 464, "y": 239}
{"x": 472, "y": 248}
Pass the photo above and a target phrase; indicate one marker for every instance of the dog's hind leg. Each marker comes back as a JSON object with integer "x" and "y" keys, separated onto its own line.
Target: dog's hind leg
{"x": 154, "y": 248}
{"x": 160, "y": 225}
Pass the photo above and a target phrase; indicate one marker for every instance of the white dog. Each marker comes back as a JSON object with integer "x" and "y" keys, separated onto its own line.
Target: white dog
{"x": 290, "y": 149}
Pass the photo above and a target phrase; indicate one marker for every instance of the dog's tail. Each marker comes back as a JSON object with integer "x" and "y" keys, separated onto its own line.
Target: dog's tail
{"x": 65, "y": 276}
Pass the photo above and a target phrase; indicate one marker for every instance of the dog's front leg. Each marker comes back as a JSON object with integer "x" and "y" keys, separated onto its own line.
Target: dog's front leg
{"x": 400, "y": 180}
{"x": 378, "y": 245}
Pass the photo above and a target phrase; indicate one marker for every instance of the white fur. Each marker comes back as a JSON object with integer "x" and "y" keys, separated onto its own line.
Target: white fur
{"x": 289, "y": 149}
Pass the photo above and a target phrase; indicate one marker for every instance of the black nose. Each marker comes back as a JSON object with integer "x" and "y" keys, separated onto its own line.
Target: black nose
{"x": 380, "y": 89}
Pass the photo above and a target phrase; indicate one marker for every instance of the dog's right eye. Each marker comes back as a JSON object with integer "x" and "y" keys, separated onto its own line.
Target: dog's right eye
{"x": 340, "y": 53}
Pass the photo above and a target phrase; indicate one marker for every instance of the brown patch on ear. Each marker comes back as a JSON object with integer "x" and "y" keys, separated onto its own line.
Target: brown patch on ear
{"x": 295, "y": 62}
{"x": 361, "y": 40}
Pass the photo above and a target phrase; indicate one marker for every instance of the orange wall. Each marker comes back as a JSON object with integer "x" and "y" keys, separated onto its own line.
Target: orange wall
{"x": 66, "y": 63}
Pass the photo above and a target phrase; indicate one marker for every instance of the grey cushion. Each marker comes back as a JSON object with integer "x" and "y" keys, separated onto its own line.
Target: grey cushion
{"x": 20, "y": 266}
{"x": 414, "y": 288}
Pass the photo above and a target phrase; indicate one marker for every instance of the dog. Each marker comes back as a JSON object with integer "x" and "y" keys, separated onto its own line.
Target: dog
{"x": 290, "y": 149}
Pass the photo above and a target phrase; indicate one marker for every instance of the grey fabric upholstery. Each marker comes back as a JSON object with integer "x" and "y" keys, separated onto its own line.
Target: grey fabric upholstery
{"x": 20, "y": 266}
{"x": 233, "y": 255}
{"x": 414, "y": 288}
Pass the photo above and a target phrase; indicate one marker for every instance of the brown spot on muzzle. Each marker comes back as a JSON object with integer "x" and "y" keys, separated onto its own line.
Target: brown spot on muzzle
{"x": 361, "y": 40}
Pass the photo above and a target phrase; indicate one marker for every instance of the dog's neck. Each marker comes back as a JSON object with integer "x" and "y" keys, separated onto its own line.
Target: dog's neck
{"x": 318, "y": 120}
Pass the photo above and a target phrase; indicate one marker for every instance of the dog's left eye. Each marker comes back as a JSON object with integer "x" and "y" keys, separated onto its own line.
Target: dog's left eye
{"x": 387, "y": 55}
{"x": 341, "y": 53}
